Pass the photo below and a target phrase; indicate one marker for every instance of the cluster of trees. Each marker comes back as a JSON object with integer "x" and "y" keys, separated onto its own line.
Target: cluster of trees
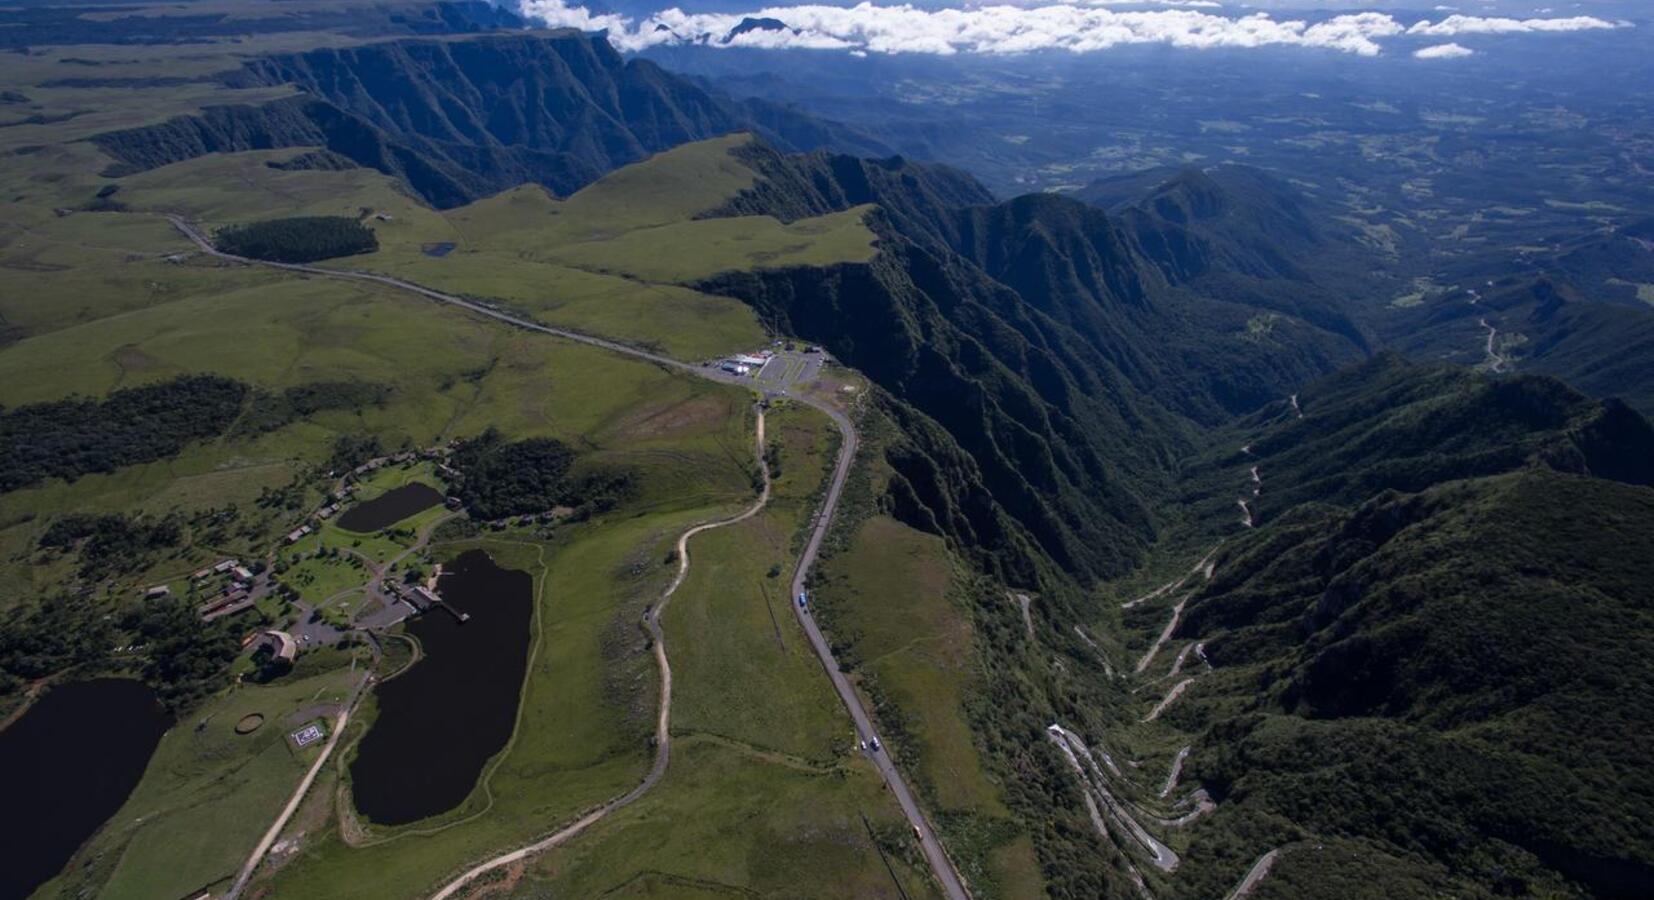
{"x": 185, "y": 659}
{"x": 350, "y": 451}
{"x": 111, "y": 542}
{"x": 500, "y": 479}
{"x": 271, "y": 410}
{"x": 298, "y": 240}
{"x": 74, "y": 437}
{"x": 40, "y": 639}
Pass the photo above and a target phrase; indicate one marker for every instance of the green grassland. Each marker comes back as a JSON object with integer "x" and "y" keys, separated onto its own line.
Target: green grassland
{"x": 742, "y": 665}
{"x": 581, "y": 736}
{"x": 612, "y": 258}
{"x": 97, "y": 301}
{"x": 209, "y": 793}
{"x": 762, "y": 752}
{"x": 765, "y": 793}
{"x": 319, "y": 579}
{"x": 892, "y": 596}
{"x": 606, "y": 261}
{"x": 726, "y": 822}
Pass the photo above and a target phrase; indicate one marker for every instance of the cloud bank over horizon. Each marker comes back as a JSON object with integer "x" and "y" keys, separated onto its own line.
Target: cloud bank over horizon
{"x": 1079, "y": 26}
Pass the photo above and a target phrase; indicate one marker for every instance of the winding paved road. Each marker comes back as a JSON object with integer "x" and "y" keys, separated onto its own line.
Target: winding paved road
{"x": 952, "y": 886}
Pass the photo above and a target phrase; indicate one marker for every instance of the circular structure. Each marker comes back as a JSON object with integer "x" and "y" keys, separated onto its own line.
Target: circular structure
{"x": 249, "y": 723}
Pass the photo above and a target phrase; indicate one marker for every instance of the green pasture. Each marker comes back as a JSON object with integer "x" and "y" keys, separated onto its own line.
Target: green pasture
{"x": 727, "y": 822}
{"x": 891, "y": 595}
{"x": 208, "y": 794}
{"x": 742, "y": 667}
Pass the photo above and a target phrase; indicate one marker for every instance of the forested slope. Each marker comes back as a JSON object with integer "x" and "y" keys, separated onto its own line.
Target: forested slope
{"x": 1047, "y": 341}
{"x": 1436, "y": 641}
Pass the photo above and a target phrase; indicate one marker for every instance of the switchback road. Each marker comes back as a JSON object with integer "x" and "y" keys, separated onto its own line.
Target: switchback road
{"x": 952, "y": 886}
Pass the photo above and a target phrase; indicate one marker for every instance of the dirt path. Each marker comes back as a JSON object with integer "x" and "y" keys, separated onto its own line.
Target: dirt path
{"x": 1097, "y": 792}
{"x": 1165, "y": 635}
{"x": 1182, "y": 656}
{"x": 943, "y": 868}
{"x": 1024, "y": 601}
{"x": 663, "y": 731}
{"x": 1246, "y": 513}
{"x": 1254, "y": 875}
{"x": 1494, "y": 362}
{"x": 263, "y": 847}
{"x": 1171, "y": 695}
{"x": 1101, "y": 656}
{"x": 1296, "y": 409}
{"x": 1177, "y": 771}
{"x": 1204, "y": 567}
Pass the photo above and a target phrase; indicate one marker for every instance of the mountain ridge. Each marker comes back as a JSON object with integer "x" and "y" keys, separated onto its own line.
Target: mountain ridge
{"x": 465, "y": 117}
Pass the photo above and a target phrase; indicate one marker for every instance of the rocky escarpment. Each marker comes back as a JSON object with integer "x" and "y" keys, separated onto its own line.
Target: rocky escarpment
{"x": 460, "y": 119}
{"x": 1046, "y": 339}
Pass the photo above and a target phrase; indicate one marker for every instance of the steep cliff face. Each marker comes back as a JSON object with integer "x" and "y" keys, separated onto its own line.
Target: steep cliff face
{"x": 459, "y": 119}
{"x": 1054, "y": 442}
{"x": 1041, "y": 334}
{"x": 565, "y": 93}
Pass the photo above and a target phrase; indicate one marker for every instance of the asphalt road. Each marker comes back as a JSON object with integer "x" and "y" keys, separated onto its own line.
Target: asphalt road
{"x": 949, "y": 879}
{"x": 952, "y": 886}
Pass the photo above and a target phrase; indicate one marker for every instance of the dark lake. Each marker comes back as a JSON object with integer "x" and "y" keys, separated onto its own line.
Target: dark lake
{"x": 66, "y": 766}
{"x": 441, "y": 720}
{"x": 391, "y": 507}
{"x": 437, "y": 250}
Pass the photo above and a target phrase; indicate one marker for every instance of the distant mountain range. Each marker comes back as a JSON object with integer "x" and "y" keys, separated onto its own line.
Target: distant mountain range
{"x": 462, "y": 119}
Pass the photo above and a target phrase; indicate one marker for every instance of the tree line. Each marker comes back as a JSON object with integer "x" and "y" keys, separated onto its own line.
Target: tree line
{"x": 301, "y": 239}
{"x": 79, "y": 436}
{"x": 499, "y": 479}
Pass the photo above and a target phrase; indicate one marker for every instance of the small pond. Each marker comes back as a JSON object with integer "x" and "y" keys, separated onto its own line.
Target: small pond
{"x": 440, "y": 721}
{"x": 66, "y": 766}
{"x": 437, "y": 250}
{"x": 390, "y": 507}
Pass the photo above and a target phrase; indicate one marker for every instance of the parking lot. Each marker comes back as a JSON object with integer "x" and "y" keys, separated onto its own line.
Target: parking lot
{"x": 787, "y": 368}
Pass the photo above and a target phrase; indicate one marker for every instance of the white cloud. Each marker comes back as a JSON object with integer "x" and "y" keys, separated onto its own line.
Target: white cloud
{"x": 1078, "y": 26}
{"x": 1457, "y": 25}
{"x": 1444, "y": 51}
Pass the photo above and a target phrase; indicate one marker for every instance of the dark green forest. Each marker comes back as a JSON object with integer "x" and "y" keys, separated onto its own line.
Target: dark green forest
{"x": 301, "y": 239}
{"x": 1439, "y": 639}
{"x": 271, "y": 410}
{"x": 181, "y": 657}
{"x": 500, "y": 479}
{"x": 79, "y": 436}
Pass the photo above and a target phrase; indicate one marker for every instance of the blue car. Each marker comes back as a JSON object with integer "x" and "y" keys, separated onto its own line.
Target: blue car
{"x": 803, "y": 599}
